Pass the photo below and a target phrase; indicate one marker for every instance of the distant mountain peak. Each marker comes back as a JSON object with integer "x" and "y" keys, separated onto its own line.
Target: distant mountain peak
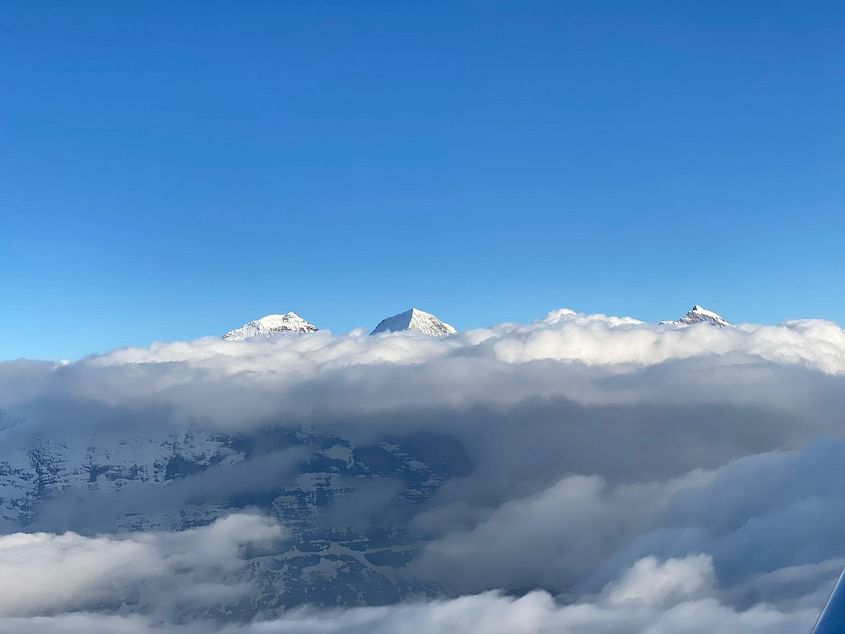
{"x": 698, "y": 314}
{"x": 270, "y": 325}
{"x": 415, "y": 320}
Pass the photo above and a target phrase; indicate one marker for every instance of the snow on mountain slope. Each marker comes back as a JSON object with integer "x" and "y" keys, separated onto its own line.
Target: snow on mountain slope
{"x": 110, "y": 482}
{"x": 417, "y": 321}
{"x": 48, "y": 468}
{"x": 696, "y": 315}
{"x": 270, "y": 325}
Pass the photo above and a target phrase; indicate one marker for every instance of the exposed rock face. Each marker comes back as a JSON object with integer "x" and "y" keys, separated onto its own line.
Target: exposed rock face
{"x": 172, "y": 481}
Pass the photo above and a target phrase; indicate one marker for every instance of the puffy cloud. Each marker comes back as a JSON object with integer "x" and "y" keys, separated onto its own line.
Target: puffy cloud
{"x": 655, "y": 583}
{"x": 46, "y": 573}
{"x": 656, "y": 597}
{"x": 754, "y": 515}
{"x": 538, "y": 612}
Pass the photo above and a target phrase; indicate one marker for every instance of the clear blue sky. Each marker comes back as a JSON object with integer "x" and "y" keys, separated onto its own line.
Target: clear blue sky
{"x": 172, "y": 169}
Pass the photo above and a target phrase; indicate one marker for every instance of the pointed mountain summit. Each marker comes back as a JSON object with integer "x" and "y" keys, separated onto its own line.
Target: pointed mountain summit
{"x": 417, "y": 321}
{"x": 270, "y": 325}
{"x": 698, "y": 314}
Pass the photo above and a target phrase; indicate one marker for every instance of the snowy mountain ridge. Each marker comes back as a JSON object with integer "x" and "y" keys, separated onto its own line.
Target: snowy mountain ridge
{"x": 419, "y": 321}
{"x": 270, "y": 325}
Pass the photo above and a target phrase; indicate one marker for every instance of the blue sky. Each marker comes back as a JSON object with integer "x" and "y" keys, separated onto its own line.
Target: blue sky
{"x": 172, "y": 169}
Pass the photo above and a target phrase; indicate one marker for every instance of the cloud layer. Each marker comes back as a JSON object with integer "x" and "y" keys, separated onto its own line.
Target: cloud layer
{"x": 614, "y": 476}
{"x": 587, "y": 358}
{"x": 671, "y": 596}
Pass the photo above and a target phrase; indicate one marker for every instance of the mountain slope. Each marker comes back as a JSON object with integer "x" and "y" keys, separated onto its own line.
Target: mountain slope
{"x": 417, "y": 321}
{"x": 270, "y": 325}
{"x": 107, "y": 483}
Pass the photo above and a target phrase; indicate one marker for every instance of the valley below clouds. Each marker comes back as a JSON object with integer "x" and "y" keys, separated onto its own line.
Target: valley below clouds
{"x": 581, "y": 473}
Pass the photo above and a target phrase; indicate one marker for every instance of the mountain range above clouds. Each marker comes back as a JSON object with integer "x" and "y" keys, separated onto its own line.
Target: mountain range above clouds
{"x": 417, "y": 321}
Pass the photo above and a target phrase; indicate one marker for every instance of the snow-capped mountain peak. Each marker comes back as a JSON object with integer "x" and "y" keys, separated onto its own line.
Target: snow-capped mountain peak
{"x": 415, "y": 320}
{"x": 698, "y": 314}
{"x": 270, "y": 325}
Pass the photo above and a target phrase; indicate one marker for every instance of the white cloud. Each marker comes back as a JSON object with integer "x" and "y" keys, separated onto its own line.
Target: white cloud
{"x": 43, "y": 573}
{"x": 655, "y": 583}
{"x": 564, "y": 335}
{"x": 637, "y": 610}
{"x": 586, "y": 358}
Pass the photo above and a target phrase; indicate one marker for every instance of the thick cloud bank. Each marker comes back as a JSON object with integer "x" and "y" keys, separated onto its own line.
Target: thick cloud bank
{"x": 587, "y": 358}
{"x": 55, "y": 578}
{"x": 582, "y": 473}
{"x": 47, "y": 573}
